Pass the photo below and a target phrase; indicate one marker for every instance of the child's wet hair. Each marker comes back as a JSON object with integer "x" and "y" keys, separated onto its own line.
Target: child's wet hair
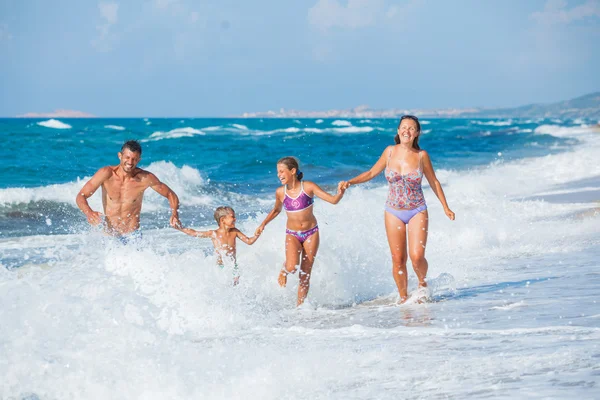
{"x": 221, "y": 212}
{"x": 291, "y": 163}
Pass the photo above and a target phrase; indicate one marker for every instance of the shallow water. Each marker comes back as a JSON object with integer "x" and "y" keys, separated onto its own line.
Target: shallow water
{"x": 515, "y": 282}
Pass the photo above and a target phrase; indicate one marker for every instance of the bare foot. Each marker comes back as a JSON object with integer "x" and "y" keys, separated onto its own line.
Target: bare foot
{"x": 282, "y": 278}
{"x": 402, "y": 300}
{"x": 236, "y": 281}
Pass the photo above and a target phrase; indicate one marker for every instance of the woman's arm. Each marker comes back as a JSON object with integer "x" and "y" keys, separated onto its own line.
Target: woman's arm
{"x": 273, "y": 213}
{"x": 313, "y": 188}
{"x": 372, "y": 173}
{"x": 436, "y": 186}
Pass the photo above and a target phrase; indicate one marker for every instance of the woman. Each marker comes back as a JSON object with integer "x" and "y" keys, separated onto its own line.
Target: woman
{"x": 405, "y": 209}
{"x": 302, "y": 233}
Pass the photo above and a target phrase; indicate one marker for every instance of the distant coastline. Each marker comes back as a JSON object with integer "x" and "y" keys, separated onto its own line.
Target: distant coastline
{"x": 587, "y": 106}
{"x": 58, "y": 114}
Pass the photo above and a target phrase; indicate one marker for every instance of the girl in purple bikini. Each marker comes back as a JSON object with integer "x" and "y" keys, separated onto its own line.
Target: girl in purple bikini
{"x": 302, "y": 233}
{"x": 405, "y": 208}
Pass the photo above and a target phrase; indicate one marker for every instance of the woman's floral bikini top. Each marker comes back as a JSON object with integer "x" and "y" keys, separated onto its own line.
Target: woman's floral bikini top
{"x": 405, "y": 189}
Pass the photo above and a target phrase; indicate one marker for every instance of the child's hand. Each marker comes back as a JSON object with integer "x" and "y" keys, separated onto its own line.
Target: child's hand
{"x": 449, "y": 213}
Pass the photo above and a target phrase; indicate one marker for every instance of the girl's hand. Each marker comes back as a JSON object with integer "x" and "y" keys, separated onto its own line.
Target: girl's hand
{"x": 449, "y": 213}
{"x": 345, "y": 184}
{"x": 341, "y": 187}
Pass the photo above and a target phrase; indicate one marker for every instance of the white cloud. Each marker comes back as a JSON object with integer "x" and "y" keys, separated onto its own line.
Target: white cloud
{"x": 109, "y": 13}
{"x": 556, "y": 12}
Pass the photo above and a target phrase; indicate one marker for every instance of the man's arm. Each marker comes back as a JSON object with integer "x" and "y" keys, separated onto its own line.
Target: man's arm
{"x": 166, "y": 191}
{"x": 101, "y": 176}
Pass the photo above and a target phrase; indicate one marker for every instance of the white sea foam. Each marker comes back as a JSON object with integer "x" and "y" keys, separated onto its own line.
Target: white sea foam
{"x": 55, "y": 124}
{"x": 239, "y": 126}
{"x": 174, "y": 134}
{"x": 185, "y": 181}
{"x": 493, "y": 123}
{"x": 319, "y": 121}
{"x": 341, "y": 122}
{"x": 562, "y": 131}
{"x": 115, "y": 127}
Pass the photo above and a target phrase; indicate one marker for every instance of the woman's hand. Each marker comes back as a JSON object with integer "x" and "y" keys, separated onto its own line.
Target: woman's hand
{"x": 449, "y": 213}
{"x": 341, "y": 187}
{"x": 344, "y": 184}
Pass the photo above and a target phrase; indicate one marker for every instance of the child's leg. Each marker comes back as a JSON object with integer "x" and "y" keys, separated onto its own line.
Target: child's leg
{"x": 293, "y": 248}
{"x": 396, "y": 235}
{"x": 311, "y": 246}
{"x": 417, "y": 240}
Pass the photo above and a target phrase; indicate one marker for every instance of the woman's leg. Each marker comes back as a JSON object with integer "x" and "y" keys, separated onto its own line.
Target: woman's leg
{"x": 293, "y": 248}
{"x": 311, "y": 246}
{"x": 417, "y": 240}
{"x": 396, "y": 234}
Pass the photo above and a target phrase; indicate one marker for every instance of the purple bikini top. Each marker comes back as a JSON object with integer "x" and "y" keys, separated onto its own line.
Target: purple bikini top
{"x": 302, "y": 202}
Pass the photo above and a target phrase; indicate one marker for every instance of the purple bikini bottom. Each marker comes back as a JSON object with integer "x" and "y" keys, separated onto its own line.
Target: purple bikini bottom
{"x": 302, "y": 235}
{"x": 405, "y": 215}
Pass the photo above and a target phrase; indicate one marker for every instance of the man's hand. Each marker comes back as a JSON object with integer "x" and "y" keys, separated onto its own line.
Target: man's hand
{"x": 174, "y": 221}
{"x": 94, "y": 218}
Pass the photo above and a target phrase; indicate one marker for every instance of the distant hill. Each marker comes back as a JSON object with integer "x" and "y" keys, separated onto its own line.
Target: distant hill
{"x": 587, "y": 106}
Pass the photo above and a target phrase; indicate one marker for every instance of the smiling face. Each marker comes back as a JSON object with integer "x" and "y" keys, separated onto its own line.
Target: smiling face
{"x": 285, "y": 175}
{"x": 129, "y": 160}
{"x": 229, "y": 220}
{"x": 408, "y": 131}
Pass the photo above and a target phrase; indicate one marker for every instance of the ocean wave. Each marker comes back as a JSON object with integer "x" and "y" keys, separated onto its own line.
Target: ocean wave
{"x": 174, "y": 134}
{"x": 115, "y": 127}
{"x": 563, "y": 131}
{"x": 341, "y": 122}
{"x": 54, "y": 124}
{"x": 319, "y": 121}
{"x": 493, "y": 123}
{"x": 185, "y": 181}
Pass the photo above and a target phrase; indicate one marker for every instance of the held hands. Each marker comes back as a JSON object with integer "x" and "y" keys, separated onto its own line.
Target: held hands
{"x": 259, "y": 230}
{"x": 94, "y": 218}
{"x": 341, "y": 187}
{"x": 174, "y": 221}
{"x": 345, "y": 184}
{"x": 449, "y": 213}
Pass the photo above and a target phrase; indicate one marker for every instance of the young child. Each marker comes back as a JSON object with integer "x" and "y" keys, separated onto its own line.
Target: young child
{"x": 302, "y": 237}
{"x": 224, "y": 238}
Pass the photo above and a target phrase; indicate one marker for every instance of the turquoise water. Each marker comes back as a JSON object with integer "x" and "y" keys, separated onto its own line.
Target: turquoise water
{"x": 228, "y": 157}
{"x": 514, "y": 279}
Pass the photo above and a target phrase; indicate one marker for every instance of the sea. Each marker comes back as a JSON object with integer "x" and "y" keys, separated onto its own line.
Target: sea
{"x": 515, "y": 279}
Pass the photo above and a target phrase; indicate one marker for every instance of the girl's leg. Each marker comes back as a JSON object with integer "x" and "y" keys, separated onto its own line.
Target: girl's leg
{"x": 396, "y": 234}
{"x": 417, "y": 240}
{"x": 293, "y": 248}
{"x": 311, "y": 246}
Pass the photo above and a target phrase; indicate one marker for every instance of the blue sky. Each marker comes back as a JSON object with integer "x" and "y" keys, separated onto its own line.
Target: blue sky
{"x": 221, "y": 58}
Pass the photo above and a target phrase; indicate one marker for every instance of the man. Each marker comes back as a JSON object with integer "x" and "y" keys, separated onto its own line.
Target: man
{"x": 123, "y": 188}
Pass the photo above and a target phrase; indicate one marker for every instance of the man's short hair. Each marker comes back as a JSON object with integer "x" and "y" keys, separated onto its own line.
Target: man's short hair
{"x": 132, "y": 145}
{"x": 221, "y": 212}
